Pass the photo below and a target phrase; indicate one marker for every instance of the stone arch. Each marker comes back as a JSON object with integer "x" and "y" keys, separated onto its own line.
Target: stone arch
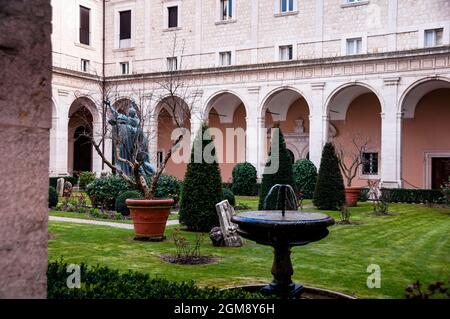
{"x": 425, "y": 147}
{"x": 354, "y": 112}
{"x": 338, "y": 101}
{"x": 269, "y": 98}
{"x": 82, "y": 116}
{"x": 226, "y": 97}
{"x": 164, "y": 123}
{"x": 296, "y": 152}
{"x": 417, "y": 90}
{"x": 226, "y": 113}
{"x": 289, "y": 107}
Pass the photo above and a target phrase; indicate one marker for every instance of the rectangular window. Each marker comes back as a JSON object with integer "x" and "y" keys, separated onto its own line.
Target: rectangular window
{"x": 85, "y": 15}
{"x": 286, "y": 6}
{"x": 172, "y": 64}
{"x": 285, "y": 52}
{"x": 225, "y": 58}
{"x": 173, "y": 16}
{"x": 125, "y": 29}
{"x": 354, "y": 46}
{"x": 370, "y": 163}
{"x": 226, "y": 9}
{"x": 84, "y": 65}
{"x": 125, "y": 68}
{"x": 433, "y": 37}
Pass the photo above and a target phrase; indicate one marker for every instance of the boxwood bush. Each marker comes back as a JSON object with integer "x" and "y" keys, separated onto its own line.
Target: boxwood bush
{"x": 305, "y": 177}
{"x": 121, "y": 206}
{"x": 228, "y": 195}
{"x": 244, "y": 179}
{"x": 100, "y": 282}
{"x": 418, "y": 196}
{"x": 86, "y": 178}
{"x": 168, "y": 187}
{"x": 52, "y": 197}
{"x": 104, "y": 191}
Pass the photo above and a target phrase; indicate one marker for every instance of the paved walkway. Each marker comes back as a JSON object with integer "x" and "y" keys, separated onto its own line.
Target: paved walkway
{"x": 100, "y": 223}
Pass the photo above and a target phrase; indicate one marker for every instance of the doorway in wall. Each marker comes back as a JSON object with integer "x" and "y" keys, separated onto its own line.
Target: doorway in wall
{"x": 440, "y": 171}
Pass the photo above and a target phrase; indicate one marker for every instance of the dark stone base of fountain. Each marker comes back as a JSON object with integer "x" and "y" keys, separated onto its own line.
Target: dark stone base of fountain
{"x": 291, "y": 291}
{"x": 307, "y": 292}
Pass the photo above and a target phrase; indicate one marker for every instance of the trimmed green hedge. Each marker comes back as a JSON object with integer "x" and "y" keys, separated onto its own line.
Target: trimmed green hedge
{"x": 86, "y": 178}
{"x": 228, "y": 195}
{"x": 52, "y": 197}
{"x": 53, "y": 181}
{"x": 305, "y": 177}
{"x": 121, "y": 206}
{"x": 104, "y": 191}
{"x": 244, "y": 179}
{"x": 100, "y": 282}
{"x": 417, "y": 196}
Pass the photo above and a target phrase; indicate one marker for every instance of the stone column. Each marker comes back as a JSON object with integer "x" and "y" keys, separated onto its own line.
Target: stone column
{"x": 196, "y": 114}
{"x": 53, "y": 146}
{"x": 252, "y": 147}
{"x": 391, "y": 136}
{"x": 318, "y": 124}
{"x": 62, "y": 141}
{"x": 25, "y": 101}
{"x": 263, "y": 148}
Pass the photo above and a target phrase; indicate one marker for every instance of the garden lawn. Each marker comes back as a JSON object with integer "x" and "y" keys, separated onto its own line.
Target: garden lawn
{"x": 413, "y": 244}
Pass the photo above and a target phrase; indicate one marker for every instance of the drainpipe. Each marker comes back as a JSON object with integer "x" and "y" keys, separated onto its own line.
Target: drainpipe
{"x": 103, "y": 81}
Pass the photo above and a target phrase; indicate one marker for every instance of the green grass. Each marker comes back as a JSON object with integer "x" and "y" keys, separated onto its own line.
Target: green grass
{"x": 412, "y": 244}
{"x": 253, "y": 201}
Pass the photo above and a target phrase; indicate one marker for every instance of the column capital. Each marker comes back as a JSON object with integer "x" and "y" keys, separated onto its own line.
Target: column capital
{"x": 318, "y": 85}
{"x": 391, "y": 81}
{"x": 253, "y": 89}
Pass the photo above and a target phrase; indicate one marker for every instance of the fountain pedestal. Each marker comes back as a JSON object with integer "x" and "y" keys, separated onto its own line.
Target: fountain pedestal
{"x": 282, "y": 272}
{"x": 283, "y": 232}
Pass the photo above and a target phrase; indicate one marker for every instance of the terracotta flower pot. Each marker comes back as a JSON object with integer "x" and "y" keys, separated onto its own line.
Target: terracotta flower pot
{"x": 352, "y": 195}
{"x": 149, "y": 217}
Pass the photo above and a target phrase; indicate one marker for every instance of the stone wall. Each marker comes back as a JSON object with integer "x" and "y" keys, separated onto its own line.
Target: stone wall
{"x": 316, "y": 29}
{"x": 25, "y": 101}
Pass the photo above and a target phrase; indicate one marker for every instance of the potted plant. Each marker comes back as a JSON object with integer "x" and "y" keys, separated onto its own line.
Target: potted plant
{"x": 126, "y": 126}
{"x": 350, "y": 160}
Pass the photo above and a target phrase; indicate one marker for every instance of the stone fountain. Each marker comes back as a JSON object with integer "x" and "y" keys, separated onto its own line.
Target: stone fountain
{"x": 282, "y": 227}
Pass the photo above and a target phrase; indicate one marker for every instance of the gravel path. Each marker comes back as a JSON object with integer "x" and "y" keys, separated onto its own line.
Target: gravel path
{"x": 100, "y": 223}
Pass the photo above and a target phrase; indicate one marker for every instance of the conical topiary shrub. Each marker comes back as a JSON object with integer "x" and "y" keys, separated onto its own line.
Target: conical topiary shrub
{"x": 329, "y": 192}
{"x": 202, "y": 186}
{"x": 305, "y": 177}
{"x": 282, "y": 176}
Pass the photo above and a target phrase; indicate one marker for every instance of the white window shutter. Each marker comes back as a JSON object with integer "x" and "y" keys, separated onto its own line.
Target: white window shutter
{"x": 276, "y": 6}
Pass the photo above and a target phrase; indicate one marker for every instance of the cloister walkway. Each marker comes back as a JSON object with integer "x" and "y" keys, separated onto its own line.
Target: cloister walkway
{"x": 100, "y": 223}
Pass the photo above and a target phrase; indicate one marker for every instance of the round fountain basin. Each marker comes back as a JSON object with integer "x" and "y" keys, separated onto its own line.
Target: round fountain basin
{"x": 272, "y": 228}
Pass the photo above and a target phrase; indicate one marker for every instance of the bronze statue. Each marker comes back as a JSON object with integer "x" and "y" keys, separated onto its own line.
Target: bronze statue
{"x": 129, "y": 136}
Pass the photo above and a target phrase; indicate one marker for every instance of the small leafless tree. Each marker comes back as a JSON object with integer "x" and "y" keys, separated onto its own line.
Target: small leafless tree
{"x": 351, "y": 157}
{"x": 170, "y": 90}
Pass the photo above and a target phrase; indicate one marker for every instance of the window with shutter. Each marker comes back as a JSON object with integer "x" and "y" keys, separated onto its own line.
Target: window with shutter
{"x": 125, "y": 25}
{"x": 173, "y": 17}
{"x": 85, "y": 25}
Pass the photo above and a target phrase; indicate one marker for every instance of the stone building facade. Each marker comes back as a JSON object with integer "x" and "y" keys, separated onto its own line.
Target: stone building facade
{"x": 325, "y": 70}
